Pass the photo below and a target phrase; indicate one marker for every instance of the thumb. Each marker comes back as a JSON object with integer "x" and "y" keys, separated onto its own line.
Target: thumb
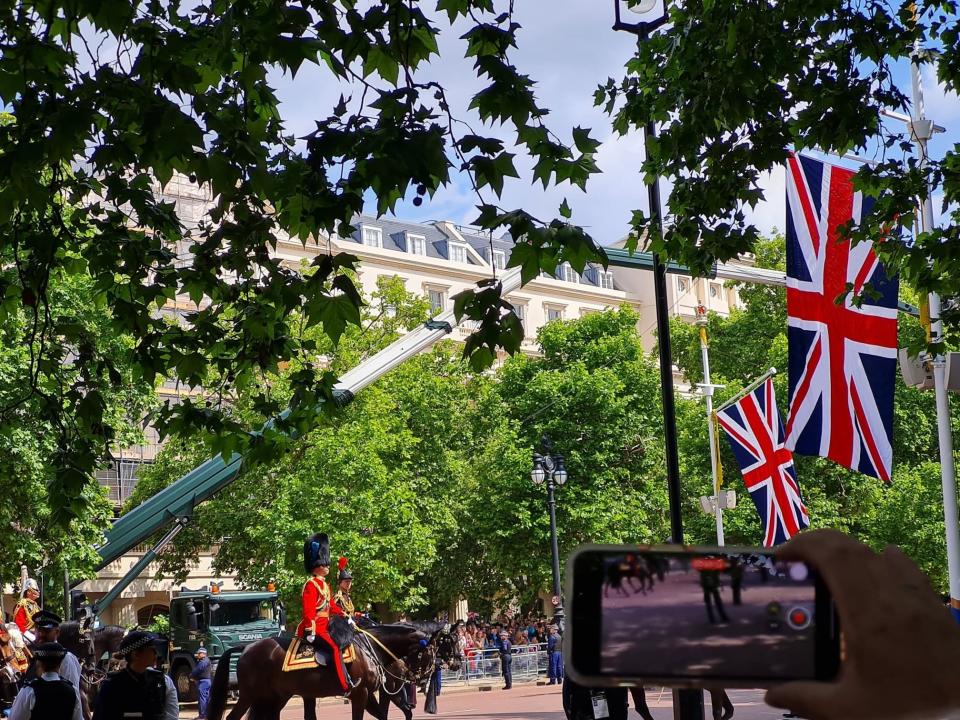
{"x": 813, "y": 700}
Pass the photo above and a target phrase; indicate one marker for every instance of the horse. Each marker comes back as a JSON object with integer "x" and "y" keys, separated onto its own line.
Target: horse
{"x": 14, "y": 660}
{"x": 78, "y": 638}
{"x": 264, "y": 688}
{"x": 399, "y": 676}
{"x": 106, "y": 643}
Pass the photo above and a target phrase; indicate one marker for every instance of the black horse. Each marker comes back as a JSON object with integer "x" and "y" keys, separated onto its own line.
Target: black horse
{"x": 265, "y": 689}
{"x": 400, "y": 677}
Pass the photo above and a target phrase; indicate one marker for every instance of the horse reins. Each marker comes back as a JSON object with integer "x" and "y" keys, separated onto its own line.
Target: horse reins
{"x": 413, "y": 678}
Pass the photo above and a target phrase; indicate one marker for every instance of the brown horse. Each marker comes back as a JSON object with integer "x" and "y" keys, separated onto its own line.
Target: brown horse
{"x": 386, "y": 656}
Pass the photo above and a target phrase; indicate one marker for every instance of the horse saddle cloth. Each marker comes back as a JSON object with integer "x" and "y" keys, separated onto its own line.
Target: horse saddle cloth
{"x": 301, "y": 655}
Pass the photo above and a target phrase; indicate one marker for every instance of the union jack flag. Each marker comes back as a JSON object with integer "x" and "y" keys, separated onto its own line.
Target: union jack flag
{"x": 755, "y": 433}
{"x": 842, "y": 358}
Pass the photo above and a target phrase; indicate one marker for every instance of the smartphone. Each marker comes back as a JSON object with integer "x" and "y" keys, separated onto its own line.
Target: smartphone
{"x": 696, "y": 617}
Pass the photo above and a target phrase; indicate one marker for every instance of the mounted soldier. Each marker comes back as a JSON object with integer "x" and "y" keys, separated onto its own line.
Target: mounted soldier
{"x": 27, "y": 607}
{"x": 318, "y": 605}
{"x": 345, "y": 582}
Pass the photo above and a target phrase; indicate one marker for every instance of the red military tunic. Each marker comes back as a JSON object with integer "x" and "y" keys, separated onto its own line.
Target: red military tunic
{"x": 23, "y": 617}
{"x": 317, "y": 606}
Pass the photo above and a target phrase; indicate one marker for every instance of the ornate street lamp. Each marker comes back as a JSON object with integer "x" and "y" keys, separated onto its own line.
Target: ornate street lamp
{"x": 550, "y": 467}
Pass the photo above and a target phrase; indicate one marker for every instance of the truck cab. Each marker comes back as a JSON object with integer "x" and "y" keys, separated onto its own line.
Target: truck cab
{"x": 217, "y": 621}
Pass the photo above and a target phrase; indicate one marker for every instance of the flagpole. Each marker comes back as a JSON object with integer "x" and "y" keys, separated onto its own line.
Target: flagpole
{"x": 921, "y": 129}
{"x": 748, "y": 389}
{"x": 707, "y": 387}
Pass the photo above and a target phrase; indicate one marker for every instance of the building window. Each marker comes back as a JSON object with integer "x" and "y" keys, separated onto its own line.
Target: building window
{"x": 569, "y": 274}
{"x": 714, "y": 291}
{"x": 372, "y": 236}
{"x": 521, "y": 310}
{"x": 605, "y": 279}
{"x": 554, "y": 313}
{"x": 416, "y": 244}
{"x": 438, "y": 299}
{"x": 458, "y": 252}
{"x": 682, "y": 285}
{"x": 499, "y": 259}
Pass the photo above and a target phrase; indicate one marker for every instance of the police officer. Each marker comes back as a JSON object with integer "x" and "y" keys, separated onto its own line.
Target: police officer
{"x": 27, "y": 607}
{"x": 201, "y": 675}
{"x": 555, "y": 668}
{"x": 506, "y": 659}
{"x": 48, "y": 696}
{"x": 47, "y": 627}
{"x": 139, "y": 691}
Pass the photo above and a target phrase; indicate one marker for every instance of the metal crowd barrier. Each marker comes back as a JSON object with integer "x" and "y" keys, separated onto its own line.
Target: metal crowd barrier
{"x": 529, "y": 663}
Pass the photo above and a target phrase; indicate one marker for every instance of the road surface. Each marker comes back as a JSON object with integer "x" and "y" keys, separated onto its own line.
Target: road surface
{"x": 523, "y": 702}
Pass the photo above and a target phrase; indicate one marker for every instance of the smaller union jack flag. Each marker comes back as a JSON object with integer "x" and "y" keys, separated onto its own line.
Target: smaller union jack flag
{"x": 756, "y": 437}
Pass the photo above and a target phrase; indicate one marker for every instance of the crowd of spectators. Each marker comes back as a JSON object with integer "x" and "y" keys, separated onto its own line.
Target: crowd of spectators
{"x": 478, "y": 634}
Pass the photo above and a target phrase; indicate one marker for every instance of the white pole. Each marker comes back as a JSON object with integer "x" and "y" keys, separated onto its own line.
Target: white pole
{"x": 921, "y": 129}
{"x": 707, "y": 388}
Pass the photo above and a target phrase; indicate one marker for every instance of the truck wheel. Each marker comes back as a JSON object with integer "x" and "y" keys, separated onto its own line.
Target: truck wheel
{"x": 181, "y": 680}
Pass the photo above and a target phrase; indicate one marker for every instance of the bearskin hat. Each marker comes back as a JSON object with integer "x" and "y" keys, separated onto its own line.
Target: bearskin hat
{"x": 316, "y": 552}
{"x": 344, "y": 573}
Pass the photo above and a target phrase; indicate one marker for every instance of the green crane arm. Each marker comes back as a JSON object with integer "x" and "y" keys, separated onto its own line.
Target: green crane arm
{"x": 178, "y": 500}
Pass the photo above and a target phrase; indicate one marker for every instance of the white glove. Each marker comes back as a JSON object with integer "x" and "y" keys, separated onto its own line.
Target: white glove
{"x": 311, "y": 639}
{"x": 351, "y": 622}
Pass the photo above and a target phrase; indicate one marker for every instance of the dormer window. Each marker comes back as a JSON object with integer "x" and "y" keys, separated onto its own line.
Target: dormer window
{"x": 569, "y": 274}
{"x": 416, "y": 244}
{"x": 499, "y": 259}
{"x": 605, "y": 279}
{"x": 458, "y": 252}
{"x": 372, "y": 236}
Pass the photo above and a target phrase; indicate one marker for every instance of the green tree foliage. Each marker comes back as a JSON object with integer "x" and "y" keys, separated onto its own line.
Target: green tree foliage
{"x": 381, "y": 476}
{"x": 111, "y": 99}
{"x": 908, "y": 512}
{"x": 737, "y": 85}
{"x": 37, "y": 442}
{"x": 595, "y": 394}
{"x": 424, "y": 481}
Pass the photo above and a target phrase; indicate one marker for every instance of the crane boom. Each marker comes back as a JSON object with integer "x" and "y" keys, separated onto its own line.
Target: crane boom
{"x": 176, "y": 502}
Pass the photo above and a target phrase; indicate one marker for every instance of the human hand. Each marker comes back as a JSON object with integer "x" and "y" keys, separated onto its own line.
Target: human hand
{"x": 900, "y": 647}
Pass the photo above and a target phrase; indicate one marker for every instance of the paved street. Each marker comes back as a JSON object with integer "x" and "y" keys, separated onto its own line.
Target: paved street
{"x": 668, "y": 628}
{"x": 527, "y": 702}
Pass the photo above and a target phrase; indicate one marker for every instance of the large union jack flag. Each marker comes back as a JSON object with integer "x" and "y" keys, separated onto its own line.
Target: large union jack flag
{"x": 755, "y": 433}
{"x": 842, "y": 358}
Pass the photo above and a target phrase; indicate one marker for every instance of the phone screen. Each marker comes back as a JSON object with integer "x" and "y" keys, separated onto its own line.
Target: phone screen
{"x": 701, "y": 615}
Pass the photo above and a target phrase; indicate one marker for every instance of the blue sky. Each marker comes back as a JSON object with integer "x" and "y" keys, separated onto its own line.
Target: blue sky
{"x": 568, "y": 51}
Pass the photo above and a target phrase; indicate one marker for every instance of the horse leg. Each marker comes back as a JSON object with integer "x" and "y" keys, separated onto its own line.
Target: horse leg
{"x": 309, "y": 708}
{"x": 243, "y": 704}
{"x": 358, "y": 702}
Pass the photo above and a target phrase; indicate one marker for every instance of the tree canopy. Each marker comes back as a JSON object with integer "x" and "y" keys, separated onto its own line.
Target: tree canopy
{"x": 107, "y": 99}
{"x": 37, "y": 442}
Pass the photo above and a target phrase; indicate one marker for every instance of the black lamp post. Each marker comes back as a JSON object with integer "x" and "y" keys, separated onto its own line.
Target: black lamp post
{"x": 550, "y": 467}
{"x": 687, "y": 704}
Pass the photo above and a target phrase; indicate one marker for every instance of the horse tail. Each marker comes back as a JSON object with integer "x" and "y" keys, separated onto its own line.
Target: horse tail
{"x": 220, "y": 686}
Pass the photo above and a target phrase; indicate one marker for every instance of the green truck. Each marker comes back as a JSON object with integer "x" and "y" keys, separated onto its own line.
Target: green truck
{"x": 217, "y": 621}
